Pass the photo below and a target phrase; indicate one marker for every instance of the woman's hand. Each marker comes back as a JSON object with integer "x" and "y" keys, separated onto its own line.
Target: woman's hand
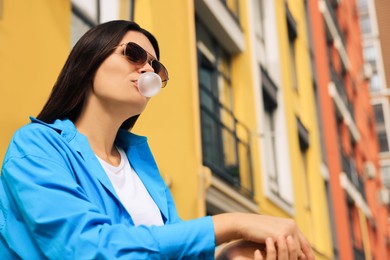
{"x": 241, "y": 250}
{"x": 285, "y": 234}
{"x": 246, "y": 250}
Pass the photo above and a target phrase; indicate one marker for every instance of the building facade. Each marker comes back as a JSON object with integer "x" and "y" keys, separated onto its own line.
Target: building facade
{"x": 29, "y": 65}
{"x": 375, "y": 28}
{"x": 264, "y": 112}
{"x": 349, "y": 140}
{"x": 299, "y": 91}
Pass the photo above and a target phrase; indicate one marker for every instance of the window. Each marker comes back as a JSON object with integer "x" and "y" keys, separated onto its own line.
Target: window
{"x": 292, "y": 35}
{"x": 260, "y": 32}
{"x": 270, "y": 143}
{"x": 224, "y": 152}
{"x": 379, "y": 117}
{"x": 370, "y": 55}
{"x": 383, "y": 142}
{"x": 303, "y": 137}
{"x": 375, "y": 83}
{"x": 259, "y": 19}
{"x": 278, "y": 178}
{"x": 385, "y": 172}
{"x": 88, "y": 13}
{"x": 363, "y": 4}
{"x": 365, "y": 23}
{"x": 85, "y": 15}
{"x": 381, "y": 128}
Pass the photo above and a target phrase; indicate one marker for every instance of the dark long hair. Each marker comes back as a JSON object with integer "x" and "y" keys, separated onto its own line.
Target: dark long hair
{"x": 69, "y": 92}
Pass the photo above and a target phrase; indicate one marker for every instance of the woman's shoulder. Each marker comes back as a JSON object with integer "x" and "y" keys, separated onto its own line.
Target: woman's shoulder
{"x": 37, "y": 137}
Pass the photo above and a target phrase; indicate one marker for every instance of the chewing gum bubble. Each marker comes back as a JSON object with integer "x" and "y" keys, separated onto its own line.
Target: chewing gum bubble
{"x": 149, "y": 84}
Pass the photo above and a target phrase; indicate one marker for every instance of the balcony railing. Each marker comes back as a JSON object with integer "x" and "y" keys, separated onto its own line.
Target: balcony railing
{"x": 358, "y": 254}
{"x": 350, "y": 170}
{"x": 340, "y": 86}
{"x": 331, "y": 8}
{"x": 226, "y": 145}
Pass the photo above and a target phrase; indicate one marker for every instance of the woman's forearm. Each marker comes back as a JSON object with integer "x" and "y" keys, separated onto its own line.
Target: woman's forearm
{"x": 226, "y": 227}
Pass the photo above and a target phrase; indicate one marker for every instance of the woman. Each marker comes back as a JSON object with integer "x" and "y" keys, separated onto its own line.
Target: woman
{"x": 76, "y": 184}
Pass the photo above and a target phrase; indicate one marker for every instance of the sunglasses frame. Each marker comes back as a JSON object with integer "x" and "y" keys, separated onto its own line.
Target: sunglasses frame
{"x": 149, "y": 59}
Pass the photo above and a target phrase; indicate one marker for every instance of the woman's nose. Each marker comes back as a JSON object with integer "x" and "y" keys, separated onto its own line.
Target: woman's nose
{"x": 147, "y": 67}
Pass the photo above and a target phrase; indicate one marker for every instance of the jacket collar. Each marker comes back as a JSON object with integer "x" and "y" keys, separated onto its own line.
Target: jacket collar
{"x": 136, "y": 148}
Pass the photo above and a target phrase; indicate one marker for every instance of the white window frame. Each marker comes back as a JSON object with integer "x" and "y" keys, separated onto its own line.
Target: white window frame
{"x": 272, "y": 65}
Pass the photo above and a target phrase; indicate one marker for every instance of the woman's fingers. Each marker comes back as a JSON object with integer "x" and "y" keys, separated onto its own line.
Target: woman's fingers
{"x": 257, "y": 228}
{"x": 270, "y": 249}
{"x": 258, "y": 255}
{"x": 307, "y": 252}
{"x": 293, "y": 248}
{"x": 282, "y": 248}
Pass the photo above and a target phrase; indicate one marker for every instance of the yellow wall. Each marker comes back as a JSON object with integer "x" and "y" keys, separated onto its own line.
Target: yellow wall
{"x": 313, "y": 221}
{"x": 244, "y": 97}
{"x": 35, "y": 41}
{"x": 175, "y": 140}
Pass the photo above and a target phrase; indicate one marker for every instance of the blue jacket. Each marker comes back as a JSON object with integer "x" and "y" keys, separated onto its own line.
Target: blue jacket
{"x": 57, "y": 202}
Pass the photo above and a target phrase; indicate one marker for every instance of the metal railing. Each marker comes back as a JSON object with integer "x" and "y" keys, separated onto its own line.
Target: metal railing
{"x": 226, "y": 144}
{"x": 350, "y": 170}
{"x": 358, "y": 254}
{"x": 331, "y": 7}
{"x": 340, "y": 86}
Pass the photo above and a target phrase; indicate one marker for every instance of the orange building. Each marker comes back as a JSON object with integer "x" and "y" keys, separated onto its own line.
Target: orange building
{"x": 350, "y": 145}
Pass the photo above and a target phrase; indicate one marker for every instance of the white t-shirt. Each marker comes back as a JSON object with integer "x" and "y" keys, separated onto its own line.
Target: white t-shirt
{"x": 132, "y": 192}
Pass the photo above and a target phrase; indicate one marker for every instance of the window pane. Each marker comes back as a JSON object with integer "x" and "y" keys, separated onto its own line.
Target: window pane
{"x": 226, "y": 150}
{"x": 270, "y": 152}
{"x": 363, "y": 4}
{"x": 379, "y": 117}
{"x": 109, "y": 10}
{"x": 88, "y": 8}
{"x": 369, "y": 53}
{"x": 365, "y": 24}
{"x": 385, "y": 171}
{"x": 78, "y": 28}
{"x": 375, "y": 83}
{"x": 383, "y": 143}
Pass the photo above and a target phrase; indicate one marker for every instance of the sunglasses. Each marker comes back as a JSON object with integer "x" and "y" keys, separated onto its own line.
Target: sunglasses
{"x": 136, "y": 54}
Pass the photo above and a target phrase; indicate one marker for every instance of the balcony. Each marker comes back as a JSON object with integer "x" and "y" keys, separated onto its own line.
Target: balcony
{"x": 339, "y": 84}
{"x": 222, "y": 21}
{"x": 331, "y": 6}
{"x": 358, "y": 254}
{"x": 226, "y": 145}
{"x": 335, "y": 33}
{"x": 349, "y": 169}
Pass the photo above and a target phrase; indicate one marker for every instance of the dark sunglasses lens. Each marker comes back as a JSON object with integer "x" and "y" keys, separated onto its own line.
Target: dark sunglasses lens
{"x": 160, "y": 70}
{"x": 156, "y": 66}
{"x": 138, "y": 55}
{"x": 135, "y": 53}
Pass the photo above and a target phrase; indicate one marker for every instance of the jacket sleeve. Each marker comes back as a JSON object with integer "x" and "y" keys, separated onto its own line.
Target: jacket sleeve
{"x": 64, "y": 224}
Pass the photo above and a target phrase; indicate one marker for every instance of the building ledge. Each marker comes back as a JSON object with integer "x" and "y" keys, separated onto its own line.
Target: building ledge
{"x": 354, "y": 194}
{"x": 342, "y": 109}
{"x": 220, "y": 197}
{"x": 221, "y": 24}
